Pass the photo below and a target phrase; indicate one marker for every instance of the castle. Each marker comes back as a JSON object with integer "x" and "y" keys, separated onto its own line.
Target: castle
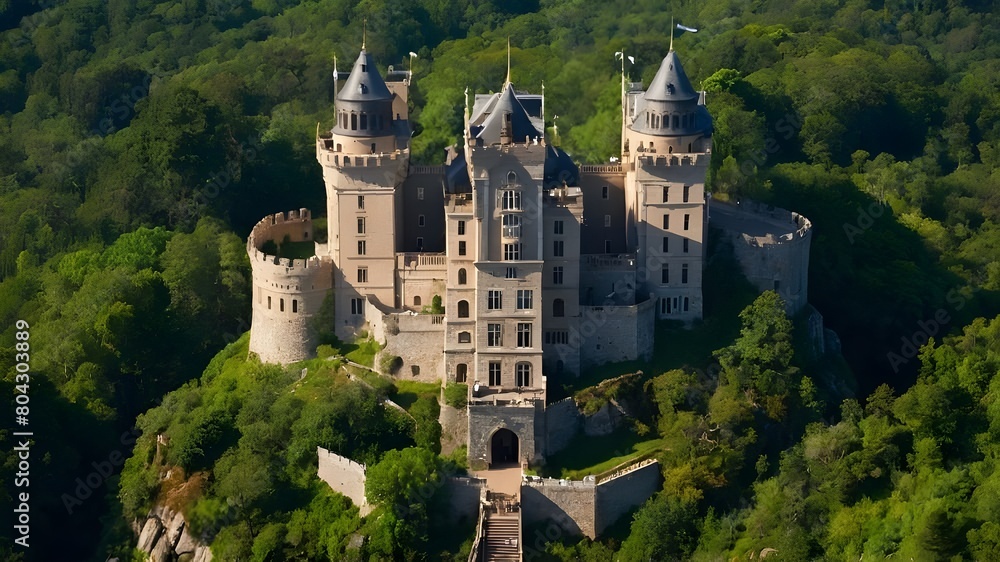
{"x": 509, "y": 264}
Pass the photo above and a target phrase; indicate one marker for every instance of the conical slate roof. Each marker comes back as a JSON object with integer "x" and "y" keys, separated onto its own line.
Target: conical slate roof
{"x": 364, "y": 83}
{"x": 670, "y": 82}
{"x": 520, "y": 123}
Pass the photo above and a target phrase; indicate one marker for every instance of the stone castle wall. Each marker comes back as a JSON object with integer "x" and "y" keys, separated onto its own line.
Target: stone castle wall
{"x": 778, "y": 262}
{"x": 417, "y": 339}
{"x": 589, "y": 506}
{"x": 618, "y": 495}
{"x": 570, "y": 504}
{"x": 562, "y": 423}
{"x": 344, "y": 476}
{"x": 615, "y": 333}
{"x": 287, "y": 293}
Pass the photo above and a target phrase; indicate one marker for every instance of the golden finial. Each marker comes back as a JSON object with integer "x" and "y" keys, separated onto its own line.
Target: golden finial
{"x": 508, "y": 62}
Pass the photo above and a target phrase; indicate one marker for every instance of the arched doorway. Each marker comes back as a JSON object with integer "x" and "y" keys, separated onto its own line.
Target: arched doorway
{"x": 504, "y": 448}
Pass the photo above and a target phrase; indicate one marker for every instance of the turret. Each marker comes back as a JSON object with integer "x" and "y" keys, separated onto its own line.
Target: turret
{"x": 670, "y": 116}
{"x": 365, "y": 120}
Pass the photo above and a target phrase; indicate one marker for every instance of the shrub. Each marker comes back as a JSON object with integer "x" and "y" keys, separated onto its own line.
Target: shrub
{"x": 456, "y": 395}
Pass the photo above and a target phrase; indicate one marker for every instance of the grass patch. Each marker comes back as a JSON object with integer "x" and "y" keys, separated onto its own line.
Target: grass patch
{"x": 407, "y": 392}
{"x": 456, "y": 395}
{"x": 362, "y": 352}
{"x": 321, "y": 381}
{"x": 593, "y": 455}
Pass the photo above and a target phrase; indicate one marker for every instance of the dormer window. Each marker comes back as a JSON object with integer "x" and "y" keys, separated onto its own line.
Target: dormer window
{"x": 362, "y": 88}
{"x": 511, "y": 178}
{"x": 364, "y": 67}
{"x": 670, "y": 89}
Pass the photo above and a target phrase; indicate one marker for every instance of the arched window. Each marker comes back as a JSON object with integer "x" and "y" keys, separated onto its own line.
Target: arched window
{"x": 463, "y": 309}
{"x": 364, "y": 121}
{"x": 416, "y": 301}
{"x": 511, "y": 178}
{"x": 461, "y": 372}
{"x": 558, "y": 308}
{"x": 676, "y": 122}
{"x": 522, "y": 374}
{"x": 463, "y": 278}
{"x": 354, "y": 122}
{"x": 464, "y": 337}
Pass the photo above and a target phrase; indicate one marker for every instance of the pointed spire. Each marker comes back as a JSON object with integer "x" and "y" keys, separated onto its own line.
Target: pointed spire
{"x": 364, "y": 33}
{"x": 507, "y": 81}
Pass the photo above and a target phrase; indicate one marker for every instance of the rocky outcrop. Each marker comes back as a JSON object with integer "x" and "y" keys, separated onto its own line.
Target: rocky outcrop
{"x": 165, "y": 537}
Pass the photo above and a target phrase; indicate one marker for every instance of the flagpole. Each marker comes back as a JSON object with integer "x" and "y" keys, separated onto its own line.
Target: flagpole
{"x": 672, "y": 28}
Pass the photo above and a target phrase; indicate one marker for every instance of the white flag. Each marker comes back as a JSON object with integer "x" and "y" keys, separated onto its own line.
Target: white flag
{"x": 335, "y": 69}
{"x": 412, "y": 54}
{"x": 631, "y": 60}
{"x": 686, "y": 28}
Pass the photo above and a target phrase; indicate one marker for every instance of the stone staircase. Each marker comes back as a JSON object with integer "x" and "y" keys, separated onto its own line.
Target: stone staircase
{"x": 502, "y": 534}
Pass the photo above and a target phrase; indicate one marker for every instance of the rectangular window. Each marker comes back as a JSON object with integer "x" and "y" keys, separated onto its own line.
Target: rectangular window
{"x": 494, "y": 300}
{"x": 664, "y": 274}
{"x": 607, "y": 246}
{"x": 421, "y": 221}
{"x": 361, "y": 225}
{"x": 557, "y": 248}
{"x": 557, "y": 275}
{"x": 295, "y": 305}
{"x": 524, "y": 299}
{"x": 420, "y": 243}
{"x": 269, "y": 303}
{"x": 557, "y": 336}
{"x": 684, "y": 273}
{"x": 361, "y": 202}
{"x": 686, "y": 303}
{"x": 461, "y": 228}
{"x": 494, "y": 335}
{"x": 557, "y": 227}
{"x": 607, "y": 221}
{"x": 362, "y": 275}
{"x": 666, "y": 244}
{"x": 687, "y": 221}
{"x": 461, "y": 248}
{"x": 511, "y": 252}
{"x": 510, "y": 200}
{"x": 686, "y": 245}
{"x": 464, "y": 337}
{"x": 420, "y": 193}
{"x": 687, "y": 193}
{"x": 362, "y": 247}
{"x": 494, "y": 373}
{"x": 511, "y": 273}
{"x": 604, "y": 192}
{"x": 357, "y": 306}
{"x": 666, "y": 222}
{"x": 523, "y": 334}
{"x": 666, "y": 193}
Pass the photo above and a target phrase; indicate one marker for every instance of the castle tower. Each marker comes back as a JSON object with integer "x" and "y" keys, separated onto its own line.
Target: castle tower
{"x": 364, "y": 161}
{"x": 288, "y": 292}
{"x": 667, "y": 148}
{"x": 501, "y": 304}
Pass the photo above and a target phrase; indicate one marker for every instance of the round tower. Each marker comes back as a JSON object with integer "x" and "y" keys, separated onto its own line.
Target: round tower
{"x": 290, "y": 287}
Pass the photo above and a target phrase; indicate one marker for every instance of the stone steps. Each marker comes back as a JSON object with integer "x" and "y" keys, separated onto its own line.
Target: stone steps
{"x": 502, "y": 536}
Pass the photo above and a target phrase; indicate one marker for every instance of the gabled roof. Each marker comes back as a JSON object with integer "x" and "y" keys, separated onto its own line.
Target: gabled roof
{"x": 506, "y": 102}
{"x": 364, "y": 83}
{"x": 670, "y": 82}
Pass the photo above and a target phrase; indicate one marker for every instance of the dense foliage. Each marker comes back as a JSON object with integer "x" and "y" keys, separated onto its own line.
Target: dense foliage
{"x": 140, "y": 141}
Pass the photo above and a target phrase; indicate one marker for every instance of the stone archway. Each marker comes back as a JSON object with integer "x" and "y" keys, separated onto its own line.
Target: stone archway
{"x": 504, "y": 448}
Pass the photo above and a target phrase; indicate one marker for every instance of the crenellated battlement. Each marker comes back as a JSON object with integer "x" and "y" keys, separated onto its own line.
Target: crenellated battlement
{"x": 287, "y": 292}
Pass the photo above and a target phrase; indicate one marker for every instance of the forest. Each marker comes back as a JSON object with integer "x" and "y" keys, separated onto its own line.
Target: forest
{"x": 140, "y": 140}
